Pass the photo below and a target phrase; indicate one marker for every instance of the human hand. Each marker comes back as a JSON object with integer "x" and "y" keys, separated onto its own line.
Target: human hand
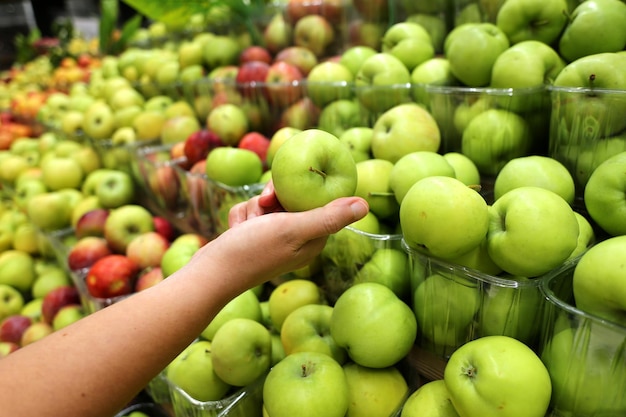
{"x": 264, "y": 203}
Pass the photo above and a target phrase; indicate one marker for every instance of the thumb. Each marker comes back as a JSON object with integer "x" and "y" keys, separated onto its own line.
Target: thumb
{"x": 336, "y": 215}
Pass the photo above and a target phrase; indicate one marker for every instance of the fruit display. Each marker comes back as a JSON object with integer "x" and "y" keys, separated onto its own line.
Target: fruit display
{"x": 487, "y": 141}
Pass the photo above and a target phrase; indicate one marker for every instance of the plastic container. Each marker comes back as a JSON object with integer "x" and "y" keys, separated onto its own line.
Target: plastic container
{"x": 245, "y": 402}
{"x": 352, "y": 255}
{"x": 585, "y": 129}
{"x": 526, "y": 111}
{"x": 149, "y": 409}
{"x": 585, "y": 355}
{"x": 454, "y": 304}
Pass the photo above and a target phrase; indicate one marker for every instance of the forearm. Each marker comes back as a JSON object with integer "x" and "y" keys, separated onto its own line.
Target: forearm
{"x": 128, "y": 344}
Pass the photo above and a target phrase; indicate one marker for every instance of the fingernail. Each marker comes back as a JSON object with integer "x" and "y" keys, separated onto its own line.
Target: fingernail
{"x": 359, "y": 209}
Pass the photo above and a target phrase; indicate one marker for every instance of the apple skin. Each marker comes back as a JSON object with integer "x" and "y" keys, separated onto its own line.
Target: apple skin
{"x": 307, "y": 329}
{"x": 494, "y": 137}
{"x": 91, "y": 223}
{"x": 329, "y": 81}
{"x": 245, "y": 305}
{"x": 580, "y": 36}
{"x": 147, "y": 249}
{"x": 35, "y": 332}
{"x": 290, "y": 295}
{"x": 302, "y": 58}
{"x": 501, "y": 369}
{"x": 381, "y": 82}
{"x": 374, "y": 392}
{"x": 432, "y": 397}
{"x": 233, "y": 167}
{"x": 12, "y": 328}
{"x": 535, "y": 170}
{"x": 375, "y": 327}
{"x": 148, "y": 278}
{"x": 410, "y": 42}
{"x": 56, "y": 299}
{"x": 535, "y": 20}
{"x": 314, "y": 382}
{"x": 390, "y": 267}
{"x": 531, "y": 231}
{"x": 86, "y": 251}
{"x": 17, "y": 269}
{"x": 314, "y": 32}
{"x": 464, "y": 168}
{"x": 471, "y": 60}
{"x": 199, "y": 144}
{"x": 453, "y": 218}
{"x": 112, "y": 276}
{"x": 403, "y": 129}
{"x": 374, "y": 185}
{"x": 306, "y": 177}
{"x": 192, "y": 372}
{"x": 229, "y": 122}
{"x": 596, "y": 291}
{"x": 67, "y": 315}
{"x": 603, "y": 195}
{"x": 125, "y": 223}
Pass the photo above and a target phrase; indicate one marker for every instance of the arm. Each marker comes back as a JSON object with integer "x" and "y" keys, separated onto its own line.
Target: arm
{"x": 96, "y": 365}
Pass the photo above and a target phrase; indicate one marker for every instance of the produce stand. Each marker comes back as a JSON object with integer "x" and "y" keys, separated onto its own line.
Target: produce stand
{"x": 184, "y": 73}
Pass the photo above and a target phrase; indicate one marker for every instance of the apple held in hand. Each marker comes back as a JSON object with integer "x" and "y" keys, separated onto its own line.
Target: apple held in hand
{"x": 241, "y": 351}
{"x": 497, "y": 375}
{"x": 531, "y": 231}
{"x": 375, "y": 327}
{"x": 311, "y": 169}
{"x": 442, "y": 217}
{"x": 112, "y": 276}
{"x": 192, "y": 372}
{"x": 306, "y": 384}
{"x": 604, "y": 195}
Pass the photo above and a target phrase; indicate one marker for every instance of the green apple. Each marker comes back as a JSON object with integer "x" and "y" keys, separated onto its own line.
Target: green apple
{"x": 245, "y": 305}
{"x": 465, "y": 170}
{"x": 494, "y": 137}
{"x": 11, "y": 301}
{"x": 353, "y": 57}
{"x": 586, "y": 236}
{"x": 26, "y": 239}
{"x": 603, "y": 195}
{"x": 597, "y": 291}
{"x": 381, "y": 82}
{"x": 148, "y": 124}
{"x": 192, "y": 371}
{"x": 229, "y": 122}
{"x": 17, "y": 269}
{"x": 478, "y": 259}
{"x": 532, "y": 230}
{"x": 67, "y": 315}
{"x": 387, "y": 266}
{"x": 433, "y": 398}
{"x": 414, "y": 166}
{"x": 403, "y": 129}
{"x": 311, "y": 169}
{"x": 589, "y": 29}
{"x": 241, "y": 351}
{"x": 358, "y": 140}
{"x": 373, "y": 184}
{"x": 59, "y": 172}
{"x": 472, "y": 49}
{"x": 523, "y": 20}
{"x": 529, "y": 63}
{"x": 233, "y": 167}
{"x": 222, "y": 50}
{"x": 583, "y": 161}
{"x": 375, "y": 327}
{"x": 180, "y": 252}
{"x": 178, "y": 128}
{"x": 538, "y": 171}
{"x": 126, "y": 222}
{"x": 497, "y": 376}
{"x": 99, "y": 120}
{"x": 290, "y": 295}
{"x": 277, "y": 139}
{"x": 307, "y": 329}
{"x": 125, "y": 97}
{"x": 116, "y": 189}
{"x": 306, "y": 384}
{"x": 581, "y": 360}
{"x": 49, "y": 211}
{"x": 442, "y": 217}
{"x": 374, "y": 392}
{"x": 410, "y": 42}
{"x": 53, "y": 277}
{"x": 329, "y": 81}
{"x": 340, "y": 115}
{"x": 434, "y": 71}
{"x": 444, "y": 306}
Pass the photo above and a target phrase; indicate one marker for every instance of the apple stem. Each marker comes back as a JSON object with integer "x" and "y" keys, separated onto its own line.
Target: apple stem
{"x": 304, "y": 370}
{"x": 470, "y": 371}
{"x": 476, "y": 187}
{"x": 317, "y": 171}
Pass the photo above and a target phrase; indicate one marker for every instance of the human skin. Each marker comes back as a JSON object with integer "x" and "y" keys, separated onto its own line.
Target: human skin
{"x": 95, "y": 366}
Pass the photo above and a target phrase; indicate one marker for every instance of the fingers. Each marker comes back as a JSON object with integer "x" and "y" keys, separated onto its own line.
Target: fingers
{"x": 333, "y": 217}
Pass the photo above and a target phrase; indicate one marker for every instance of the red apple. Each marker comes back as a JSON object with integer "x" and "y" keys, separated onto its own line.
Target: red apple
{"x": 297, "y": 9}
{"x": 283, "y": 84}
{"x": 36, "y": 331}
{"x": 164, "y": 227}
{"x": 149, "y": 278}
{"x": 257, "y": 143}
{"x": 255, "y": 53}
{"x": 86, "y": 251}
{"x": 12, "y": 328}
{"x": 251, "y": 77}
{"x": 112, "y": 276}
{"x": 372, "y": 10}
{"x": 147, "y": 249}
{"x": 198, "y": 145}
{"x": 303, "y": 58}
{"x": 164, "y": 184}
{"x": 302, "y": 114}
{"x": 91, "y": 223}
{"x": 57, "y": 298}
